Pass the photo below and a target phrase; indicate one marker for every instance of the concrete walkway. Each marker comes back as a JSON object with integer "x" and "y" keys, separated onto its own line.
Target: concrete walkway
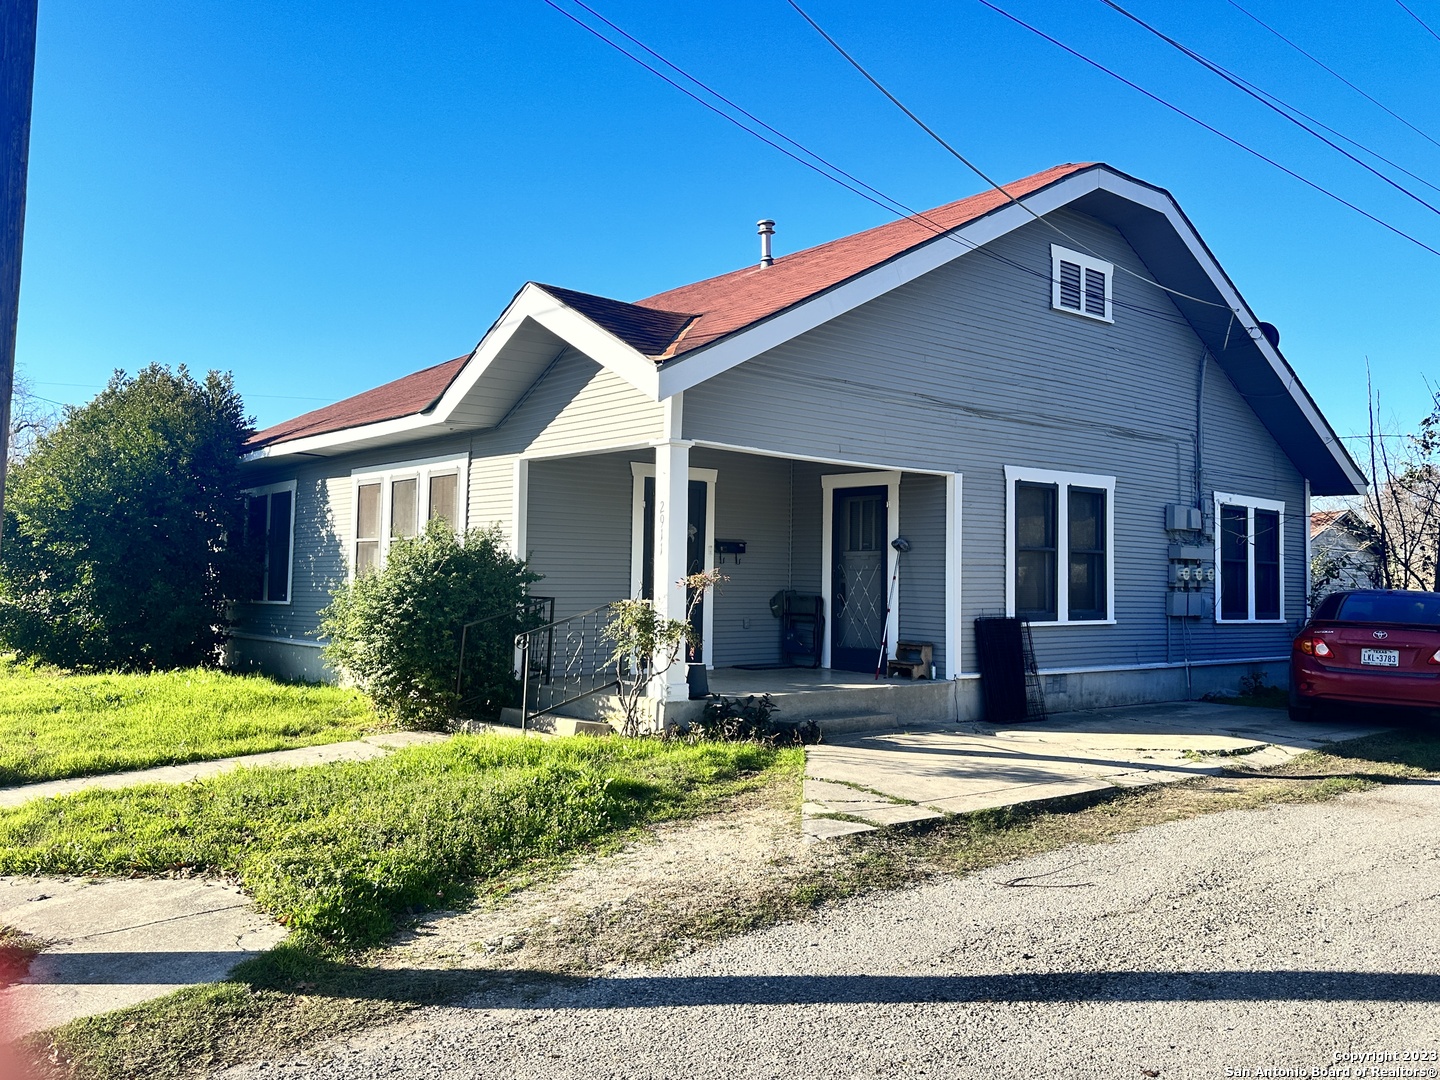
{"x": 112, "y": 943}
{"x": 887, "y": 778}
{"x": 358, "y": 750}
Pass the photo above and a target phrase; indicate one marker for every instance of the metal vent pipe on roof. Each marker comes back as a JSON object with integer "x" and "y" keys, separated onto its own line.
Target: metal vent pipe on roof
{"x": 766, "y": 228}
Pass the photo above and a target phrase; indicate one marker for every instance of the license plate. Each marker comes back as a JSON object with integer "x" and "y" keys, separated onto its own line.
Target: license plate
{"x": 1380, "y": 657}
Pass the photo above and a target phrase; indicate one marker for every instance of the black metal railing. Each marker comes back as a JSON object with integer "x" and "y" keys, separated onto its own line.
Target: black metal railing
{"x": 533, "y": 611}
{"x": 565, "y": 661}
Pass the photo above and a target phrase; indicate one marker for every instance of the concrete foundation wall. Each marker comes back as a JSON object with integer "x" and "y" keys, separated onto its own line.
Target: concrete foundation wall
{"x": 296, "y": 662}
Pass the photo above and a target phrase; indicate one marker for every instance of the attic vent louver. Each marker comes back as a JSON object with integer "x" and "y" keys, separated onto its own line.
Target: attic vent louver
{"x": 1081, "y": 283}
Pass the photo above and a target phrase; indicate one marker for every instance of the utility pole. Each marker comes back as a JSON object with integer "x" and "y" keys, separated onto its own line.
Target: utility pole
{"x": 17, "y": 87}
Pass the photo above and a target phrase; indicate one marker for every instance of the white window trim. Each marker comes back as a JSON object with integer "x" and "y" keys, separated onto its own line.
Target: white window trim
{"x": 890, "y": 480}
{"x": 270, "y": 489}
{"x": 1064, "y": 481}
{"x": 1251, "y": 504}
{"x": 639, "y": 470}
{"x": 1085, "y": 262}
{"x": 421, "y": 469}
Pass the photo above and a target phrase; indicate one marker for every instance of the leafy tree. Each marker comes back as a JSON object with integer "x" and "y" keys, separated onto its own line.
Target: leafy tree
{"x": 116, "y": 522}
{"x": 397, "y": 630}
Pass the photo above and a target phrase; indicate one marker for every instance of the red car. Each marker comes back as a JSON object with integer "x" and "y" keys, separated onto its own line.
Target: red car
{"x": 1368, "y": 647}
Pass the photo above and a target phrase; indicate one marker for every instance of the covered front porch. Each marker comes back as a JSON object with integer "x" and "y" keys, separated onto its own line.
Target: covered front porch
{"x": 600, "y": 527}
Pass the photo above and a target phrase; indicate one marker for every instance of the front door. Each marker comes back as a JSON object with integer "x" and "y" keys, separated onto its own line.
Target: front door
{"x": 857, "y": 596}
{"x": 694, "y": 556}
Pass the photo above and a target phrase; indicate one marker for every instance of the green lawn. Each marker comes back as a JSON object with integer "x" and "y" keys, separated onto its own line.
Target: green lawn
{"x": 341, "y": 852}
{"x": 54, "y": 724}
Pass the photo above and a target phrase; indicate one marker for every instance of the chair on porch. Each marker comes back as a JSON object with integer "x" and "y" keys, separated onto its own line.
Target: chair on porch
{"x": 802, "y": 626}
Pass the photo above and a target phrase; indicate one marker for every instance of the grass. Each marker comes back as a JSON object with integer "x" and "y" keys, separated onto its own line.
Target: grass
{"x": 54, "y": 724}
{"x": 293, "y": 996}
{"x": 341, "y": 853}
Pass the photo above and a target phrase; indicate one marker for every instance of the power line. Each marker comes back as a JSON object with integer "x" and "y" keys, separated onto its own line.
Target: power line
{"x": 967, "y": 162}
{"x": 1428, "y": 28}
{"x": 889, "y": 203}
{"x": 1316, "y": 60}
{"x": 1262, "y": 97}
{"x": 1210, "y": 128}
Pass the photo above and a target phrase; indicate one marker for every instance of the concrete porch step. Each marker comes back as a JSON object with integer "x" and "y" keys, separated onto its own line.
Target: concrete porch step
{"x": 832, "y": 726}
{"x": 556, "y": 724}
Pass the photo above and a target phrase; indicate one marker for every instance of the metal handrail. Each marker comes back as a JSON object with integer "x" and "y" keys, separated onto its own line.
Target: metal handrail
{"x": 530, "y": 607}
{"x": 585, "y": 664}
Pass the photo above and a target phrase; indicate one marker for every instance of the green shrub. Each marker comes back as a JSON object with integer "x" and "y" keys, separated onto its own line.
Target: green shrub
{"x": 115, "y": 552}
{"x": 397, "y": 630}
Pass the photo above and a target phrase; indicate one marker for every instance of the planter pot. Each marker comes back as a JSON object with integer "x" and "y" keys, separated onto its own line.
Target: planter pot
{"x": 698, "y": 681}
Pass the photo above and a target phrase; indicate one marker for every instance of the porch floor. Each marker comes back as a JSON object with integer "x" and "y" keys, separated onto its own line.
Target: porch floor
{"x": 737, "y": 682}
{"x": 841, "y": 700}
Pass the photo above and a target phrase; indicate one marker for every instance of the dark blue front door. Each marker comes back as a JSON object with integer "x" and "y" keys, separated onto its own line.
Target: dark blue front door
{"x": 860, "y": 527}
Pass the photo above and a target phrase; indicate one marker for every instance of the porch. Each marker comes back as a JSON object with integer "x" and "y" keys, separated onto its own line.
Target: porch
{"x": 599, "y": 529}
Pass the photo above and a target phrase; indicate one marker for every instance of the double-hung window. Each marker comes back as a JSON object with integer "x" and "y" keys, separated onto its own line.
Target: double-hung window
{"x": 1081, "y": 284}
{"x": 270, "y": 537}
{"x": 1249, "y": 540}
{"x": 396, "y": 502}
{"x": 1060, "y": 529}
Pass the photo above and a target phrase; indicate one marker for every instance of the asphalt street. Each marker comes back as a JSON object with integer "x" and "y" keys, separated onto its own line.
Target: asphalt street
{"x": 1274, "y": 939}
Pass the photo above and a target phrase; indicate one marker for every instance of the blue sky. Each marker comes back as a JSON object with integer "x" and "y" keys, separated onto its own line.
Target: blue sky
{"x": 321, "y": 197}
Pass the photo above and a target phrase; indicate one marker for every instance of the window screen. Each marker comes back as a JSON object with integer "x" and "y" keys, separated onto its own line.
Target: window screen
{"x": 443, "y": 490}
{"x": 1267, "y": 564}
{"x": 1234, "y": 563}
{"x": 277, "y": 548}
{"x": 404, "y": 507}
{"x": 1035, "y": 551}
{"x": 1087, "y": 553}
{"x": 367, "y": 527}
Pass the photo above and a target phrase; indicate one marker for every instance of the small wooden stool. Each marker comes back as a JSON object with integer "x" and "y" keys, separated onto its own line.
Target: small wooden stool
{"x": 913, "y": 659}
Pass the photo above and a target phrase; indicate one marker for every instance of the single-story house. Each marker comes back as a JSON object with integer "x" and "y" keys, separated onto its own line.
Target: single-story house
{"x": 1055, "y": 394}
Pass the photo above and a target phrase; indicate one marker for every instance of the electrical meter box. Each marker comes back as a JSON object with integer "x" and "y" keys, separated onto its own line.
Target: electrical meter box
{"x": 1182, "y": 518}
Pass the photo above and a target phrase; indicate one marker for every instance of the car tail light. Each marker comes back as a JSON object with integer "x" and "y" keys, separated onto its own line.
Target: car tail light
{"x": 1314, "y": 646}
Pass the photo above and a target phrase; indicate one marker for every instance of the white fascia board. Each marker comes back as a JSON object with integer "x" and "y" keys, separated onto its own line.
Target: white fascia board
{"x": 330, "y": 439}
{"x": 531, "y": 302}
{"x": 710, "y": 361}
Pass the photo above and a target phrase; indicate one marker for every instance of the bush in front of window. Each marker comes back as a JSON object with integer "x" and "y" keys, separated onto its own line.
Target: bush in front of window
{"x": 396, "y": 630}
{"x": 114, "y": 550}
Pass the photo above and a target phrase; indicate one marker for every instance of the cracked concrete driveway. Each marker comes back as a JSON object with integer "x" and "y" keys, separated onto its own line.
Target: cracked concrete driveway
{"x": 884, "y": 779}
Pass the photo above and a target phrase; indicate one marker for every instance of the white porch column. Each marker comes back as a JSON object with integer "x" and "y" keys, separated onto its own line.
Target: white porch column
{"x": 672, "y": 519}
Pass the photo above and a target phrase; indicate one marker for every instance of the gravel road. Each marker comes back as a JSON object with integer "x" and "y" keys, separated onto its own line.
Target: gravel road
{"x": 1253, "y": 940}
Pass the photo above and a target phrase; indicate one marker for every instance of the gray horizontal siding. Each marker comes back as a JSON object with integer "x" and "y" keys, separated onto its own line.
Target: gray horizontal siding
{"x": 752, "y": 503}
{"x": 922, "y": 568}
{"x": 578, "y": 532}
{"x": 969, "y": 370}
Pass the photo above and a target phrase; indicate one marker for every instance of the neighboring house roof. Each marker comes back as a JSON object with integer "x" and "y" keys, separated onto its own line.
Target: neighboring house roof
{"x": 1347, "y": 520}
{"x": 403, "y": 397}
{"x": 1321, "y": 520}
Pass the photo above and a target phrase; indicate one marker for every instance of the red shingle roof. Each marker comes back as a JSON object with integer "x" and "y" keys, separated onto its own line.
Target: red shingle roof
{"x": 403, "y": 397}
{"x": 673, "y": 323}
{"x": 733, "y": 301}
